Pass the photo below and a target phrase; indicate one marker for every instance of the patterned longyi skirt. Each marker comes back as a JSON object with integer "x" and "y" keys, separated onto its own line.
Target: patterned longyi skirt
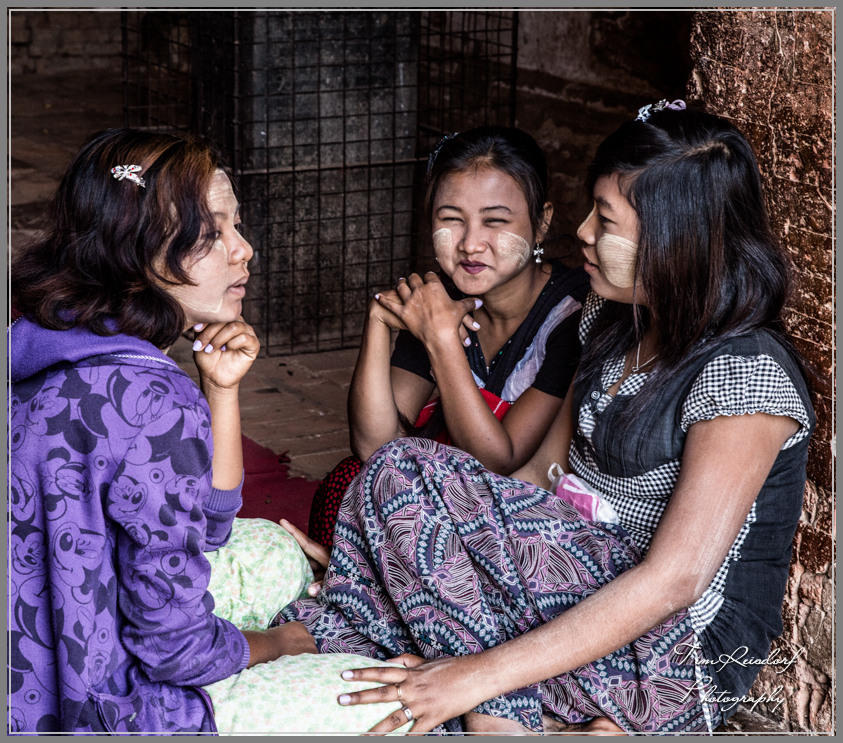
{"x": 435, "y": 555}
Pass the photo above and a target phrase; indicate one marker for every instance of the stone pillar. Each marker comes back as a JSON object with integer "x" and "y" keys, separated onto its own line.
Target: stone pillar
{"x": 771, "y": 73}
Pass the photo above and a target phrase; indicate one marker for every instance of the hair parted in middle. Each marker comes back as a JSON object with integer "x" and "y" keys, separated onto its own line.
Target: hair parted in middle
{"x": 707, "y": 261}
{"x": 507, "y": 149}
{"x": 114, "y": 244}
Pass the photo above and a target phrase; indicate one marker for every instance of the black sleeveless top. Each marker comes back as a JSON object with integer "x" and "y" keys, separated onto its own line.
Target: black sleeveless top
{"x": 739, "y": 614}
{"x": 543, "y": 352}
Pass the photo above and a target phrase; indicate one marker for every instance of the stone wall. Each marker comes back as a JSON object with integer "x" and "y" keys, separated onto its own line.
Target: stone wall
{"x": 45, "y": 42}
{"x": 581, "y": 73}
{"x": 771, "y": 72}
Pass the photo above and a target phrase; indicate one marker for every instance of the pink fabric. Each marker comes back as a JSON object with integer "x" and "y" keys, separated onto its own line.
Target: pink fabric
{"x": 589, "y": 503}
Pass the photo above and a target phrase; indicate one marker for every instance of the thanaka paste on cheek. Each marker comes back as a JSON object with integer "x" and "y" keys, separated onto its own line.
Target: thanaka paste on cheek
{"x": 210, "y": 274}
{"x": 514, "y": 246}
{"x": 617, "y": 257}
{"x": 443, "y": 241}
{"x": 195, "y": 303}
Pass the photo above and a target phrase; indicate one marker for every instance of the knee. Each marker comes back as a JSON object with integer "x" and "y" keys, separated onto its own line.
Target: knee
{"x": 393, "y": 467}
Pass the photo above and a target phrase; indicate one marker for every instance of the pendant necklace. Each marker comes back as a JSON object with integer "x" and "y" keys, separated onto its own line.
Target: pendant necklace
{"x": 637, "y": 364}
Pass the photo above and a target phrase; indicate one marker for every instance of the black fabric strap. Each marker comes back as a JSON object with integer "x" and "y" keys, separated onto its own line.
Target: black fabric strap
{"x": 562, "y": 282}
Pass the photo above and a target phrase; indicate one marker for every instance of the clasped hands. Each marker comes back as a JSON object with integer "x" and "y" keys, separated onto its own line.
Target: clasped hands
{"x": 422, "y": 306}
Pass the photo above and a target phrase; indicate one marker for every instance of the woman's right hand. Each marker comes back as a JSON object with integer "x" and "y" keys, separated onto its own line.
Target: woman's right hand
{"x": 224, "y": 352}
{"x": 433, "y": 690}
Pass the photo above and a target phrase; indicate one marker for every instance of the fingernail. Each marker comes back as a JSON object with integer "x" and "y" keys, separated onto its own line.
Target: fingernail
{"x": 197, "y": 345}
{"x": 478, "y": 303}
{"x": 312, "y": 590}
{"x": 467, "y": 342}
{"x": 401, "y": 278}
{"x": 344, "y": 699}
{"x": 377, "y": 296}
{"x": 198, "y": 326}
{"x": 223, "y": 347}
{"x": 475, "y": 325}
{"x": 347, "y": 675}
{"x": 209, "y": 348}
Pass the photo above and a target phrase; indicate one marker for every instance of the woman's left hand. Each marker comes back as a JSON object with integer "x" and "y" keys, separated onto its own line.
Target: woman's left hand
{"x": 224, "y": 352}
{"x": 317, "y": 555}
{"x": 432, "y": 690}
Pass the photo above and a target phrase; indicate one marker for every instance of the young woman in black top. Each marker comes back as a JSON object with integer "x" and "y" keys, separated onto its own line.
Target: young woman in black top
{"x": 484, "y": 367}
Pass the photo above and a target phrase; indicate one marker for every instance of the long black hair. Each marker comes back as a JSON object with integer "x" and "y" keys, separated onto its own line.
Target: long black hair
{"x": 707, "y": 261}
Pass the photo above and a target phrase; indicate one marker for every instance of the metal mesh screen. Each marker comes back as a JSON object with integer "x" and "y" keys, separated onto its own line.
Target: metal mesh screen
{"x": 326, "y": 119}
{"x": 467, "y": 71}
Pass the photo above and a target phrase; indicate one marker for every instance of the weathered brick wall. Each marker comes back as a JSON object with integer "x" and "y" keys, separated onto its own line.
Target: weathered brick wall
{"x": 45, "y": 42}
{"x": 771, "y": 72}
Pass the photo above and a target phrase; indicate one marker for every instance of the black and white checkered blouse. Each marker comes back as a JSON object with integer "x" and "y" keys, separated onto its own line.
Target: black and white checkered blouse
{"x": 637, "y": 471}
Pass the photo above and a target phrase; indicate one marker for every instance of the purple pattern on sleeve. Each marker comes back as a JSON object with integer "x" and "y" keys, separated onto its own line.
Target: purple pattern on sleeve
{"x": 111, "y": 510}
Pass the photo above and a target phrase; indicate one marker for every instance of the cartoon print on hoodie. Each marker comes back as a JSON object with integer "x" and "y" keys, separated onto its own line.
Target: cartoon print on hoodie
{"x": 111, "y": 506}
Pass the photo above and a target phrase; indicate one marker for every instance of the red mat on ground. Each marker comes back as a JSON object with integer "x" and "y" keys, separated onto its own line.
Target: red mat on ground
{"x": 268, "y": 492}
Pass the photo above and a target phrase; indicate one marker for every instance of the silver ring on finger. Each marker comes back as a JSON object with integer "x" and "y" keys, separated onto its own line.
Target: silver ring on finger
{"x": 398, "y": 689}
{"x": 407, "y": 713}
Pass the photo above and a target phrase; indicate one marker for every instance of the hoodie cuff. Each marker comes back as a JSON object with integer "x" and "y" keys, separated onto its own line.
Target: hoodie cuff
{"x": 225, "y": 501}
{"x": 244, "y": 660}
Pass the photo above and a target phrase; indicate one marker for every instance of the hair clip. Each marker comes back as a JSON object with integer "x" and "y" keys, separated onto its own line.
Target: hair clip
{"x": 128, "y": 171}
{"x": 431, "y": 159}
{"x": 645, "y": 112}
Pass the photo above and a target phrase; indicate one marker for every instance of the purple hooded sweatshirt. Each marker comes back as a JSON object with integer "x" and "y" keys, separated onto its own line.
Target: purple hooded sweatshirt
{"x": 111, "y": 509}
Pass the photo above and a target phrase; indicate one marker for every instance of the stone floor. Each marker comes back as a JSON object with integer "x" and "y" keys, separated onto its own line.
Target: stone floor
{"x": 294, "y": 404}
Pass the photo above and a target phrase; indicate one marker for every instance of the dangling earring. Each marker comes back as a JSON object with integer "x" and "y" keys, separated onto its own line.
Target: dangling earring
{"x": 538, "y": 252}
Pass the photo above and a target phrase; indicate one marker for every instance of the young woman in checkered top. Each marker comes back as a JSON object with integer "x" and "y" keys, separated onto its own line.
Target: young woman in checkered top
{"x": 641, "y": 591}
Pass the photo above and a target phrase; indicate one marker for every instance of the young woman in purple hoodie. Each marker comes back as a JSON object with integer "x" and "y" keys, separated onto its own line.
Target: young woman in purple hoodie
{"x": 123, "y": 473}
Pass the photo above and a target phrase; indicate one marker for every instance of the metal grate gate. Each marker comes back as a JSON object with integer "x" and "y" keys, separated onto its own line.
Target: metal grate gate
{"x": 326, "y": 119}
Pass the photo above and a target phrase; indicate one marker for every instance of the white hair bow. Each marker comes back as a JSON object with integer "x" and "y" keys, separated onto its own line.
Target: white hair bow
{"x": 128, "y": 171}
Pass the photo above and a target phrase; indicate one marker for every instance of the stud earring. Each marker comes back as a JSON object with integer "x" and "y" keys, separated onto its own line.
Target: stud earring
{"x": 538, "y": 252}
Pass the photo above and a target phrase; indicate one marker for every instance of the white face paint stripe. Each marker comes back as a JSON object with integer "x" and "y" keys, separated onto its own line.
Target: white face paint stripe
{"x": 617, "y": 257}
{"x": 185, "y": 302}
{"x": 511, "y": 245}
{"x": 443, "y": 239}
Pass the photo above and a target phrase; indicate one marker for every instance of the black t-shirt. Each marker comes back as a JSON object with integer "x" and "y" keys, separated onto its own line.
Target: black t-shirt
{"x": 543, "y": 352}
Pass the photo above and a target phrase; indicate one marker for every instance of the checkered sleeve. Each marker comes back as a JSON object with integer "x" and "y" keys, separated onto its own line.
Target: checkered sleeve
{"x": 742, "y": 385}
{"x": 591, "y": 309}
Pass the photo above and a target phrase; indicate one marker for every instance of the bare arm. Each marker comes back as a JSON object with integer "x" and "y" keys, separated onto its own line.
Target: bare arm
{"x": 724, "y": 465}
{"x": 500, "y": 446}
{"x": 378, "y": 392}
{"x": 220, "y": 373}
{"x": 553, "y": 448}
{"x": 426, "y": 310}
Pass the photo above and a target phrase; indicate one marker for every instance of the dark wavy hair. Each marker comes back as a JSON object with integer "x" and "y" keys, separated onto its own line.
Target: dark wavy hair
{"x": 707, "y": 260}
{"x": 508, "y": 149}
{"x": 113, "y": 244}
